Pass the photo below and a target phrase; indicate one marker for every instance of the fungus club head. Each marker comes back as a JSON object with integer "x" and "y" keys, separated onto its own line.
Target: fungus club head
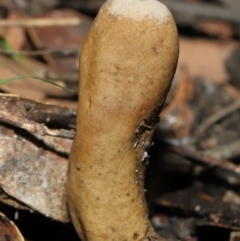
{"x": 127, "y": 64}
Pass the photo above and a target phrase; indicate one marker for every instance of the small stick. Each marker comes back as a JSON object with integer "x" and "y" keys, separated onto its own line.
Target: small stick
{"x": 44, "y": 22}
{"x": 208, "y": 160}
{"x": 34, "y": 127}
{"x": 227, "y": 151}
{"x": 38, "y": 52}
{"x": 225, "y": 111}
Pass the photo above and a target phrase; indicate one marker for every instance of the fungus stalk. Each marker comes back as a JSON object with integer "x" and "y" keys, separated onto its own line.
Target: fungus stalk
{"x": 127, "y": 63}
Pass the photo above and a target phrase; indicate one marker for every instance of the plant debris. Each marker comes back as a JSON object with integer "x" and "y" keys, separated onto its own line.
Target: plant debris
{"x": 193, "y": 176}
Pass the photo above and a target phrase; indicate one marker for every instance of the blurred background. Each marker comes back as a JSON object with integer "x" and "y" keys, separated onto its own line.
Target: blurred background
{"x": 193, "y": 176}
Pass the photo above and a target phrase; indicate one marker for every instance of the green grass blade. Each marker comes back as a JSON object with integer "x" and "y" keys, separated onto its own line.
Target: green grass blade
{"x": 5, "y": 81}
{"x": 19, "y": 58}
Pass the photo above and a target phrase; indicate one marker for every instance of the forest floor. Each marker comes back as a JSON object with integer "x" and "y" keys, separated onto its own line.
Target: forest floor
{"x": 193, "y": 176}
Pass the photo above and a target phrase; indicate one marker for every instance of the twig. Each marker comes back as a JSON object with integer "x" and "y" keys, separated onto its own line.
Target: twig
{"x": 38, "y": 52}
{"x": 188, "y": 13}
{"x": 70, "y": 77}
{"x": 32, "y": 116}
{"x": 225, "y": 111}
{"x": 207, "y": 160}
{"x": 44, "y": 22}
{"x": 24, "y": 52}
{"x": 34, "y": 127}
{"x": 227, "y": 151}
